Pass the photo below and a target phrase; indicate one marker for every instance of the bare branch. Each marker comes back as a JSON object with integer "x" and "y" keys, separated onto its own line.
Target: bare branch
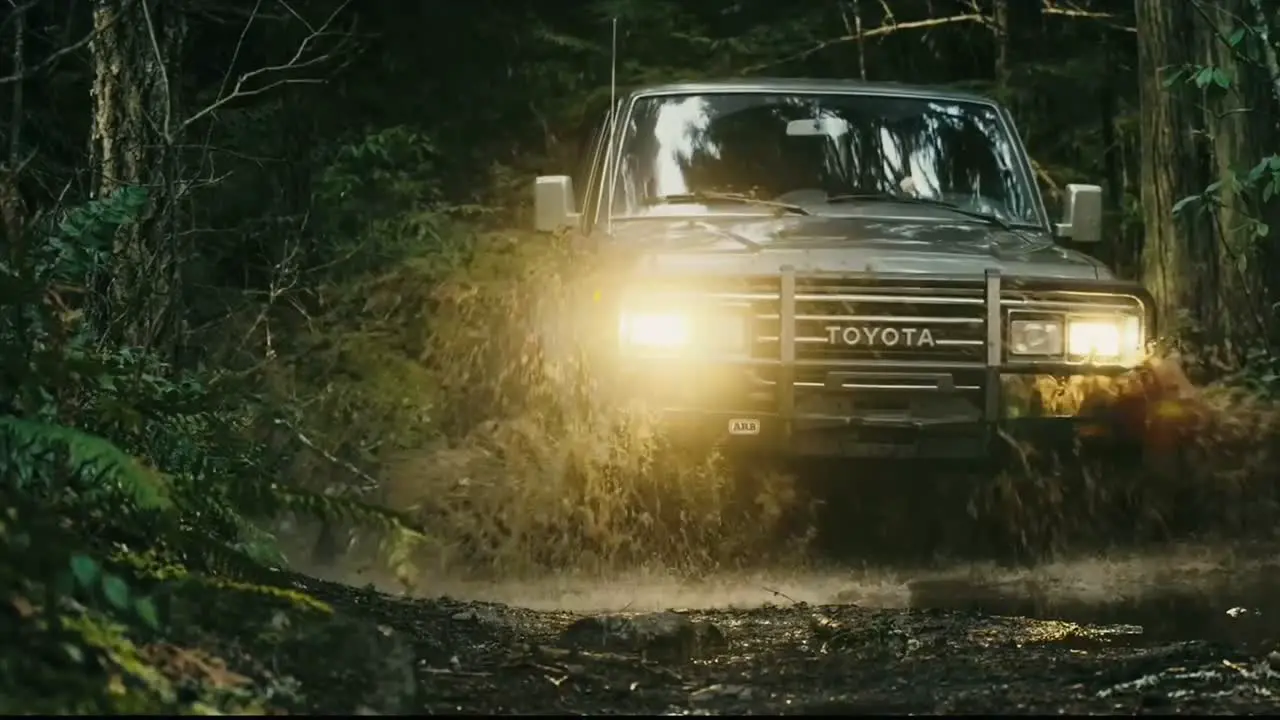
{"x": 299, "y": 61}
{"x": 872, "y": 33}
{"x": 19, "y": 17}
{"x": 888, "y": 14}
{"x": 298, "y": 16}
{"x": 207, "y": 157}
{"x": 16, "y": 11}
{"x": 162, "y": 63}
{"x": 31, "y": 71}
{"x": 1049, "y": 8}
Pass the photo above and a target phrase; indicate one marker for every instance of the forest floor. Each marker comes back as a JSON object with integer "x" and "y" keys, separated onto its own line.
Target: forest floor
{"x": 953, "y": 647}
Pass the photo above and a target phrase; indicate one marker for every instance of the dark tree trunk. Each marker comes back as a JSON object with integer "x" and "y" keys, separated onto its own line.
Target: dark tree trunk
{"x": 132, "y": 145}
{"x": 1240, "y": 123}
{"x": 1000, "y": 28}
{"x": 1178, "y": 259}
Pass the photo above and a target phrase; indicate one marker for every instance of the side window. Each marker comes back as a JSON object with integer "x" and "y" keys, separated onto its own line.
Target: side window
{"x": 582, "y": 171}
{"x": 592, "y": 169}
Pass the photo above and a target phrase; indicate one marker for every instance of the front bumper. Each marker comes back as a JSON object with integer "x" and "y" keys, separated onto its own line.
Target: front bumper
{"x": 874, "y": 407}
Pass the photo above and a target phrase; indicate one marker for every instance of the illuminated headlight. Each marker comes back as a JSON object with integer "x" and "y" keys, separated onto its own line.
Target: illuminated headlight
{"x": 1104, "y": 338}
{"x": 675, "y": 331}
{"x": 665, "y": 330}
{"x": 1091, "y": 338}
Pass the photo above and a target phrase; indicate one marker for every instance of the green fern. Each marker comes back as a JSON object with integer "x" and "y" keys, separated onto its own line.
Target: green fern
{"x": 34, "y": 453}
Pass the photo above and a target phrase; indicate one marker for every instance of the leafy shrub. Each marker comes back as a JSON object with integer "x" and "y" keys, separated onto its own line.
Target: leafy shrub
{"x": 112, "y": 464}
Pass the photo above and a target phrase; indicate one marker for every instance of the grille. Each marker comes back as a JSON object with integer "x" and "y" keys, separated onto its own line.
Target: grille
{"x": 952, "y": 312}
{"x": 839, "y": 322}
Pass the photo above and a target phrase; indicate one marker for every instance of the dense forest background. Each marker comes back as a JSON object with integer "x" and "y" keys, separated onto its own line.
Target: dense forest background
{"x": 267, "y": 258}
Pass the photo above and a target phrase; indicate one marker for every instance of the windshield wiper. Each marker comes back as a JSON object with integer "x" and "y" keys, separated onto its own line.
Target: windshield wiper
{"x": 745, "y": 241}
{"x": 715, "y": 198}
{"x": 989, "y": 218}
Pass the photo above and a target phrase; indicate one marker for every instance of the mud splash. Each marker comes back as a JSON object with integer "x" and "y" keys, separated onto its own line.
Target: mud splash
{"x": 1186, "y": 629}
{"x": 1181, "y": 593}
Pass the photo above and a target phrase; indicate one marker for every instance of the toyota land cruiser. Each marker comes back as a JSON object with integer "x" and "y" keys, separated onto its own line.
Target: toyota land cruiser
{"x": 842, "y": 269}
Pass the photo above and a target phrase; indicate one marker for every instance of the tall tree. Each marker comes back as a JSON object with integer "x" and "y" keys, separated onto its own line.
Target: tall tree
{"x": 1179, "y": 264}
{"x": 135, "y": 49}
{"x": 1240, "y": 122}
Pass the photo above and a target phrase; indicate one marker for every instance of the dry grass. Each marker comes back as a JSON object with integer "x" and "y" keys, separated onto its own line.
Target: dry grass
{"x": 540, "y": 470}
{"x": 517, "y": 496}
{"x": 535, "y": 468}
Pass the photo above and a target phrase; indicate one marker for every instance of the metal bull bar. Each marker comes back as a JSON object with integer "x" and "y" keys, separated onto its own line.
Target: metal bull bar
{"x": 994, "y": 331}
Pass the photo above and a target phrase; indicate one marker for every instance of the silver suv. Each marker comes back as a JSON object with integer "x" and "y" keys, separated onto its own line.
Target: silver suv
{"x": 842, "y": 269}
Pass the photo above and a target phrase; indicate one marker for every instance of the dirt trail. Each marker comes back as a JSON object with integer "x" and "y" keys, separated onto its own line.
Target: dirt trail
{"x": 1186, "y": 630}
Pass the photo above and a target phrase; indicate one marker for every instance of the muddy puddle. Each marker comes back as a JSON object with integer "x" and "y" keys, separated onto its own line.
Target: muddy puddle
{"x": 1224, "y": 598}
{"x": 1182, "y": 629}
{"x": 1178, "y": 593}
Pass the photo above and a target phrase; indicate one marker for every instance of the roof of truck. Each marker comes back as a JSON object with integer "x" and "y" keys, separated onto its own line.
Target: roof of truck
{"x": 810, "y": 86}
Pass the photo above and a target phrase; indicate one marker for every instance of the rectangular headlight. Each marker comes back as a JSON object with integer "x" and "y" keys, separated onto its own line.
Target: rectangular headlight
{"x": 655, "y": 330}
{"x": 672, "y": 331}
{"x": 1104, "y": 338}
{"x": 1036, "y": 337}
{"x": 1107, "y": 339}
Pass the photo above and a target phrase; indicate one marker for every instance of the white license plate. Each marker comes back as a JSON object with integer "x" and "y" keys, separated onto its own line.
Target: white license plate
{"x": 744, "y": 426}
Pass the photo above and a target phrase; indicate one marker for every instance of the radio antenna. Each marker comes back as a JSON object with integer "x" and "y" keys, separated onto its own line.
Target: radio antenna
{"x": 613, "y": 119}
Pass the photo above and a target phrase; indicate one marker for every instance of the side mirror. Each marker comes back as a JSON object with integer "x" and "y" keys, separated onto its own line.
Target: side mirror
{"x": 553, "y": 203}
{"x": 1082, "y": 214}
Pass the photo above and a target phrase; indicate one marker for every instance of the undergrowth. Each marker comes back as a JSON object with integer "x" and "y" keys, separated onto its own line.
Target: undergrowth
{"x": 521, "y": 462}
{"x": 122, "y": 481}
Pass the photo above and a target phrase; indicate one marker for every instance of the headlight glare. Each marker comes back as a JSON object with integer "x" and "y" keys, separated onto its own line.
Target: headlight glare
{"x": 1105, "y": 338}
{"x": 673, "y": 331}
{"x": 667, "y": 331}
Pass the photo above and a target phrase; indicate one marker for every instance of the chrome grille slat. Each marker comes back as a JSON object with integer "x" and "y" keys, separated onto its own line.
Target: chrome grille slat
{"x": 812, "y": 297}
{"x": 823, "y": 341}
{"x": 877, "y": 318}
{"x": 882, "y": 386}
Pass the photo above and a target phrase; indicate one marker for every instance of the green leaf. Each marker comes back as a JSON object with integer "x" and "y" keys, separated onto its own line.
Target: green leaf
{"x": 1261, "y": 229}
{"x": 1235, "y": 37}
{"x": 116, "y": 591}
{"x": 1182, "y": 204}
{"x": 84, "y": 569}
{"x": 1221, "y": 79}
{"x": 1257, "y": 171}
{"x": 146, "y": 610}
{"x": 1203, "y": 77}
{"x": 74, "y": 654}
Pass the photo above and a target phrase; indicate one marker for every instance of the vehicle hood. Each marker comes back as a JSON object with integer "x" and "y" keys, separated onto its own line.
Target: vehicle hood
{"x": 847, "y": 244}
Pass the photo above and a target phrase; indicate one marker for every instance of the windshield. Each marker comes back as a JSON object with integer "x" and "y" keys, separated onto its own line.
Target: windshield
{"x": 804, "y": 148}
